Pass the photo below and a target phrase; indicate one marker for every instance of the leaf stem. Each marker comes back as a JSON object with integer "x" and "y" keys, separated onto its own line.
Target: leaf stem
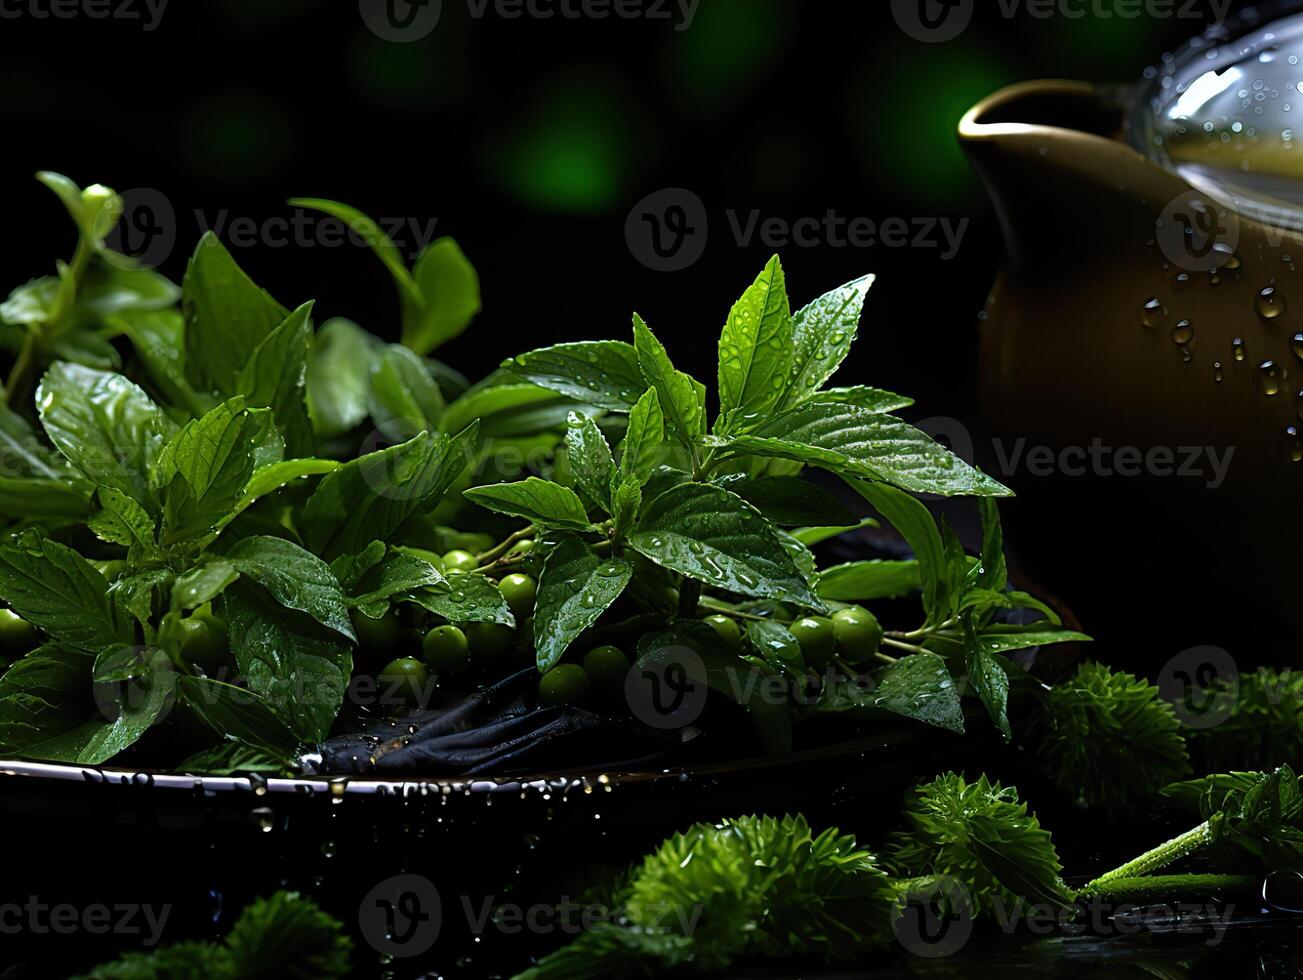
{"x": 898, "y": 645}
{"x": 19, "y": 379}
{"x": 1158, "y": 888}
{"x": 502, "y": 547}
{"x": 1158, "y": 857}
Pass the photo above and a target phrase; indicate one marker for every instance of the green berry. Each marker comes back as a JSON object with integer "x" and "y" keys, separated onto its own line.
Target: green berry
{"x": 405, "y": 677}
{"x": 381, "y": 635}
{"x": 459, "y": 561}
{"x": 817, "y": 638}
{"x": 427, "y": 556}
{"x": 522, "y": 547}
{"x": 566, "y": 684}
{"x": 859, "y": 634}
{"x": 606, "y": 667}
{"x": 18, "y": 637}
{"x": 489, "y": 641}
{"x": 473, "y": 541}
{"x": 519, "y": 591}
{"x": 727, "y": 629}
{"x": 446, "y": 648}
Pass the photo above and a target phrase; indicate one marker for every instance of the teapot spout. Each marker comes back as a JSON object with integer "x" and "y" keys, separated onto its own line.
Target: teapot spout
{"x": 1063, "y": 181}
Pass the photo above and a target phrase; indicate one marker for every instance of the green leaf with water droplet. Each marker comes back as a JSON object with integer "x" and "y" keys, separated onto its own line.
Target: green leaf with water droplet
{"x": 988, "y": 679}
{"x": 106, "y": 426}
{"x": 918, "y": 687}
{"x": 854, "y": 442}
{"x": 576, "y": 587}
{"x": 369, "y": 498}
{"x": 338, "y": 376}
{"x": 539, "y": 501}
{"x": 374, "y": 579}
{"x": 450, "y": 297}
{"x": 603, "y": 373}
{"x": 590, "y": 459}
{"x": 755, "y": 351}
{"x": 792, "y": 501}
{"x": 873, "y": 400}
{"x": 296, "y": 578}
{"x": 917, "y": 526}
{"x": 203, "y": 583}
{"x": 682, "y": 398}
{"x": 716, "y": 537}
{"x": 403, "y": 397}
{"x": 822, "y": 335}
{"x": 466, "y": 598}
{"x": 626, "y": 500}
{"x": 640, "y": 453}
{"x": 120, "y": 520}
{"x": 227, "y": 317}
{"x": 863, "y": 581}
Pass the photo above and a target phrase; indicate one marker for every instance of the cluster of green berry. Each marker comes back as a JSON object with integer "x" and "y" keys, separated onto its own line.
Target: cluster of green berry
{"x": 852, "y": 633}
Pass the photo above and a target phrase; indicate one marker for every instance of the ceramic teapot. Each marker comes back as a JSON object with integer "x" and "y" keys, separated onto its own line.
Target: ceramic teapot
{"x": 1141, "y": 369}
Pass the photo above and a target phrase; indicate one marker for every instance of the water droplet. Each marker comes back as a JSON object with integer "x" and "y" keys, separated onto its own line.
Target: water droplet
{"x": 1296, "y": 345}
{"x": 1237, "y": 348}
{"x": 1296, "y": 446}
{"x": 1183, "y": 333}
{"x": 264, "y": 817}
{"x": 1270, "y": 303}
{"x": 328, "y": 848}
{"x": 1269, "y": 377}
{"x": 1154, "y": 314}
{"x": 1217, "y": 372}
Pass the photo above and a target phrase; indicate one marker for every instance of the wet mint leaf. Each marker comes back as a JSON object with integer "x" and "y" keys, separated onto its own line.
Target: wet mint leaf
{"x": 682, "y": 398}
{"x": 822, "y": 336}
{"x": 338, "y": 379}
{"x": 466, "y": 598}
{"x": 864, "y": 581}
{"x": 602, "y": 373}
{"x": 275, "y": 377}
{"x": 371, "y": 587}
{"x": 870, "y": 399}
{"x": 590, "y": 459}
{"x": 227, "y": 316}
{"x": 539, "y": 501}
{"x": 296, "y": 578}
{"x": 203, "y": 583}
{"x": 755, "y": 351}
{"x": 918, "y": 687}
{"x": 854, "y": 442}
{"x": 450, "y": 297}
{"x": 988, "y": 679}
{"x": 369, "y": 498}
{"x": 792, "y": 502}
{"x": 576, "y": 587}
{"x": 56, "y": 589}
{"x": 106, "y": 426}
{"x": 915, "y": 524}
{"x": 640, "y": 453}
{"x": 238, "y": 713}
{"x": 403, "y": 398}
{"x": 120, "y": 520}
{"x": 716, "y": 537}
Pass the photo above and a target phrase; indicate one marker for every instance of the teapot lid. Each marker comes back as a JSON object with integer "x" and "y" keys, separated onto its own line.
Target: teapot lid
{"x": 1225, "y": 112}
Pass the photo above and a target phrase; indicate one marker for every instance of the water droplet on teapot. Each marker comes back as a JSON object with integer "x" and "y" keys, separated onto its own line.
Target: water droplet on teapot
{"x": 1183, "y": 333}
{"x": 1270, "y": 303}
{"x": 1154, "y": 314}
{"x": 1269, "y": 377}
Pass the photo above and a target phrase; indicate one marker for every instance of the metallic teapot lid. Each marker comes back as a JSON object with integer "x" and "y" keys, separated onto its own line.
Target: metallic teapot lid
{"x": 1225, "y": 112}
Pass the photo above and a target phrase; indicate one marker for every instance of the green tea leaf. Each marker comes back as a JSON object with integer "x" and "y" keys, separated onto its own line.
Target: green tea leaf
{"x": 203, "y": 471}
{"x": 238, "y": 713}
{"x": 450, "y": 297}
{"x": 466, "y": 598}
{"x": 275, "y": 377}
{"x": 159, "y": 339}
{"x": 121, "y": 520}
{"x": 988, "y": 679}
{"x": 870, "y": 399}
{"x": 576, "y": 587}
{"x": 338, "y": 378}
{"x": 503, "y": 409}
{"x": 715, "y": 536}
{"x": 995, "y": 572}
{"x": 916, "y": 525}
{"x": 403, "y": 398}
{"x": 682, "y": 398}
{"x": 540, "y": 501}
{"x": 918, "y": 687}
{"x": 59, "y": 591}
{"x": 822, "y": 335}
{"x": 368, "y": 498}
{"x": 755, "y": 351}
{"x": 106, "y": 426}
{"x": 372, "y": 588}
{"x": 296, "y": 578}
{"x": 793, "y": 502}
{"x": 203, "y": 583}
{"x": 603, "y": 373}
{"x": 299, "y": 669}
{"x": 640, "y": 453}
{"x": 626, "y": 501}
{"x": 1006, "y": 639}
{"x": 854, "y": 442}
{"x": 590, "y": 459}
{"x": 226, "y": 317}
{"x": 864, "y": 581}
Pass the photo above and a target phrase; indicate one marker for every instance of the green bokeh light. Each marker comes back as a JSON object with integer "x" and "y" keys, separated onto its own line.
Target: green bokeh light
{"x": 908, "y": 114}
{"x": 729, "y": 44}
{"x": 569, "y": 154}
